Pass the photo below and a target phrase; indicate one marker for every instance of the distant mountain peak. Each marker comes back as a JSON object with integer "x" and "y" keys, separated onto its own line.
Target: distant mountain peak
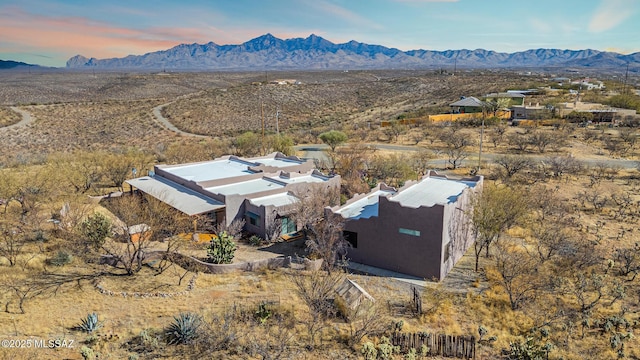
{"x": 314, "y": 52}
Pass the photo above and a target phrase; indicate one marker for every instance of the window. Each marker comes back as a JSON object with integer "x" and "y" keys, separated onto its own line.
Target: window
{"x": 288, "y": 225}
{"x": 351, "y": 237}
{"x": 253, "y": 218}
{"x": 409, "y": 232}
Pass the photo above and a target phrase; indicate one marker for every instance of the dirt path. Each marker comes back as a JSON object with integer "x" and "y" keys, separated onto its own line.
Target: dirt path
{"x": 157, "y": 114}
{"x": 26, "y": 119}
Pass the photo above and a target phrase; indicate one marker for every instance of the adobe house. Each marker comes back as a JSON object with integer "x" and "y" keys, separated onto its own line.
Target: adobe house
{"x": 421, "y": 229}
{"x": 259, "y": 190}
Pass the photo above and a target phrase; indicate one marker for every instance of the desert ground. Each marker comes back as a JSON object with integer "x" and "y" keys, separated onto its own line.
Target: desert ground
{"x": 559, "y": 281}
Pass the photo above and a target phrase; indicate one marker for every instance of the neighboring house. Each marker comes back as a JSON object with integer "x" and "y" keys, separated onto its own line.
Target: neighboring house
{"x": 513, "y": 97}
{"x": 598, "y": 112}
{"x": 589, "y": 84}
{"x": 531, "y": 112}
{"x": 467, "y": 105}
{"x": 421, "y": 229}
{"x": 259, "y": 190}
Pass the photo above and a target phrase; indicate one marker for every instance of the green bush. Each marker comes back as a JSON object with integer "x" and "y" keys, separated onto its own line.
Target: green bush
{"x": 96, "y": 228}
{"x": 255, "y": 240}
{"x": 185, "y": 329}
{"x": 61, "y": 258}
{"x": 222, "y": 249}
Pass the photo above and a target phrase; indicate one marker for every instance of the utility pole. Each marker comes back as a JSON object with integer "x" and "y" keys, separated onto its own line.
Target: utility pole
{"x": 277, "y": 125}
{"x": 626, "y": 77}
{"x": 481, "y": 138}
{"x": 262, "y": 118}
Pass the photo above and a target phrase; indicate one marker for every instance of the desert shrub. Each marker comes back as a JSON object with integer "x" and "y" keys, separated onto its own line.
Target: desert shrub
{"x": 61, "y": 258}
{"x": 147, "y": 341}
{"x": 221, "y": 250}
{"x": 528, "y": 349}
{"x": 87, "y": 353}
{"x": 255, "y": 240}
{"x": 185, "y": 329}
{"x": 90, "y": 323}
{"x": 263, "y": 313}
{"x": 96, "y": 228}
{"x": 369, "y": 351}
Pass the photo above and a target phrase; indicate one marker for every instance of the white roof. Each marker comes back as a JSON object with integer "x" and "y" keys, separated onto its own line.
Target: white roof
{"x": 210, "y": 170}
{"x": 310, "y": 178}
{"x": 279, "y": 163}
{"x": 175, "y": 195}
{"x": 276, "y": 200}
{"x": 363, "y": 208}
{"x": 431, "y": 191}
{"x": 246, "y": 187}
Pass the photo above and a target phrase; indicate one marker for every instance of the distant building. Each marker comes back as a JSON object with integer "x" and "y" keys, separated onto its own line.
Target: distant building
{"x": 588, "y": 84}
{"x": 467, "y": 105}
{"x": 514, "y": 97}
{"x": 531, "y": 112}
{"x": 598, "y": 112}
{"x": 421, "y": 229}
{"x": 259, "y": 190}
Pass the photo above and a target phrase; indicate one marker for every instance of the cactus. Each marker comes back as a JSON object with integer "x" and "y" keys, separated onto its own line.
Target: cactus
{"x": 90, "y": 323}
{"x": 184, "y": 329}
{"x": 221, "y": 249}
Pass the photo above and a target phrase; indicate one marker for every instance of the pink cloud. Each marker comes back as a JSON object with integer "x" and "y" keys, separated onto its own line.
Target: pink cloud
{"x": 75, "y": 35}
{"x": 343, "y": 13}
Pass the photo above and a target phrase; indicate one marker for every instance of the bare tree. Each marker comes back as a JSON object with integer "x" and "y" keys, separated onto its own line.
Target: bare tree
{"x": 518, "y": 275}
{"x": 155, "y": 222}
{"x": 317, "y": 291}
{"x": 456, "y": 145}
{"x": 324, "y": 234}
{"x": 541, "y": 140}
{"x": 561, "y": 165}
{"x": 420, "y": 161}
{"x": 513, "y": 164}
{"x": 519, "y": 140}
{"x": 368, "y": 318}
{"x": 494, "y": 211}
{"x": 497, "y": 134}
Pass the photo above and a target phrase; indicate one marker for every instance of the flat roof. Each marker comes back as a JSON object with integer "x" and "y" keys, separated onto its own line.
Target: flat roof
{"x": 175, "y": 195}
{"x": 210, "y": 170}
{"x": 432, "y": 191}
{"x": 309, "y": 178}
{"x": 276, "y": 200}
{"x": 280, "y": 163}
{"x": 363, "y": 208}
{"x": 246, "y": 187}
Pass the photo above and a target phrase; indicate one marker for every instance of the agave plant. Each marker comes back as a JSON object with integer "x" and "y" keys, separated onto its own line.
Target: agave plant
{"x": 90, "y": 323}
{"x": 184, "y": 329}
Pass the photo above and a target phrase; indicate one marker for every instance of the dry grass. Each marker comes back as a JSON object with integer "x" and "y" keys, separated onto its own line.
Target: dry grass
{"x": 8, "y": 116}
{"x": 324, "y": 100}
{"x": 108, "y": 111}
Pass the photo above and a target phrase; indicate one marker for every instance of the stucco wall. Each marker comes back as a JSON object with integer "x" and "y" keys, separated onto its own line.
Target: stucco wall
{"x": 381, "y": 244}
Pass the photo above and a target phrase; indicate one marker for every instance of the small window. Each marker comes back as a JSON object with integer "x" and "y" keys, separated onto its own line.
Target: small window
{"x": 351, "y": 237}
{"x": 409, "y": 232}
{"x": 253, "y": 218}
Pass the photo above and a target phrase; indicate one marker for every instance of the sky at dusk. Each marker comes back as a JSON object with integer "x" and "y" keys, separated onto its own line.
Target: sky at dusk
{"x": 50, "y": 32}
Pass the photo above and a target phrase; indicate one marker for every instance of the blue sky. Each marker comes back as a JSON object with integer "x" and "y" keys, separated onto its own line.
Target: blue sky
{"x": 50, "y": 32}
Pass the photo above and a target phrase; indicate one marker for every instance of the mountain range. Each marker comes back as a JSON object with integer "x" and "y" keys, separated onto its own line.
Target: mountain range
{"x": 268, "y": 52}
{"x": 10, "y": 64}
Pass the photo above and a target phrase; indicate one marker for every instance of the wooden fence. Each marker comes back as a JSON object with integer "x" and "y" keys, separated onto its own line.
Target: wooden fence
{"x": 462, "y": 347}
